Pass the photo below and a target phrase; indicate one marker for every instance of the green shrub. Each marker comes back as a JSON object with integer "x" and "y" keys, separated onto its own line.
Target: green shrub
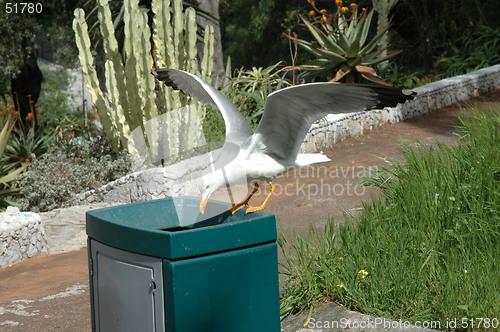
{"x": 427, "y": 250}
{"x": 478, "y": 47}
{"x": 52, "y": 180}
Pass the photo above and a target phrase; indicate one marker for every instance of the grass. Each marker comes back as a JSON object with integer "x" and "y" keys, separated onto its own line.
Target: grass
{"x": 427, "y": 250}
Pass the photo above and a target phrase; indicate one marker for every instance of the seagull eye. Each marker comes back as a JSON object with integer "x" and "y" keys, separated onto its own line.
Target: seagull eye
{"x": 208, "y": 186}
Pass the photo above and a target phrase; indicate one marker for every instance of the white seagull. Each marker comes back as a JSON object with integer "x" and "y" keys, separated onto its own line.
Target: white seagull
{"x": 288, "y": 114}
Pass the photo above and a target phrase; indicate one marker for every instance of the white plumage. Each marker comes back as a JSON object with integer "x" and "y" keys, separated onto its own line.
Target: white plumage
{"x": 288, "y": 115}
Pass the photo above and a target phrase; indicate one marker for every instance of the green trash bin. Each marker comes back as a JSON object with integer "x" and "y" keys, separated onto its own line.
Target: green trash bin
{"x": 149, "y": 271}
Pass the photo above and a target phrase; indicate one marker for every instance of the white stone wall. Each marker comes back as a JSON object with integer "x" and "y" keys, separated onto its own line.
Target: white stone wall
{"x": 173, "y": 180}
{"x": 21, "y": 236}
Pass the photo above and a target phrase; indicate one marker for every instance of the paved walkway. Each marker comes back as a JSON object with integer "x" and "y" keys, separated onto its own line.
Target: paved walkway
{"x": 51, "y": 292}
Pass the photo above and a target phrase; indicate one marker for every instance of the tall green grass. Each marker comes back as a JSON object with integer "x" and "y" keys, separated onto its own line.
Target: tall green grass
{"x": 428, "y": 249}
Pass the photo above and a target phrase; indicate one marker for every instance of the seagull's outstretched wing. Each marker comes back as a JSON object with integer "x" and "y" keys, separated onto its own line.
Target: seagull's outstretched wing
{"x": 237, "y": 128}
{"x": 290, "y": 112}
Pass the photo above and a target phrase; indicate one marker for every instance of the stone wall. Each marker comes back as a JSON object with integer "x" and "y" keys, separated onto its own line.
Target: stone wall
{"x": 21, "y": 236}
{"x": 176, "y": 179}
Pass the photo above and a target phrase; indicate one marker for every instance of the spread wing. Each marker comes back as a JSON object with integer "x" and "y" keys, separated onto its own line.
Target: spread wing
{"x": 237, "y": 128}
{"x": 290, "y": 112}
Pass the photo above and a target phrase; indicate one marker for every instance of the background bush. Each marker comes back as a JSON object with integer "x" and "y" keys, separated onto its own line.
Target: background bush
{"x": 80, "y": 165}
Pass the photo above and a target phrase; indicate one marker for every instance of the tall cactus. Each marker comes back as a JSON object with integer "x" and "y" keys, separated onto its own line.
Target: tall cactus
{"x": 383, "y": 8}
{"x": 135, "y": 113}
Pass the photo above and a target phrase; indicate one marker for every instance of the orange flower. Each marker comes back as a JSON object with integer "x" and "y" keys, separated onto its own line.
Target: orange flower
{"x": 40, "y": 111}
{"x": 312, "y": 13}
{"x": 323, "y": 11}
{"x": 323, "y": 19}
{"x": 338, "y": 3}
{"x": 344, "y": 10}
{"x": 29, "y": 117}
{"x": 353, "y": 5}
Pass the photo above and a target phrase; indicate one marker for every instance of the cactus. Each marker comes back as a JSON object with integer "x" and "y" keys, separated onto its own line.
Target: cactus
{"x": 134, "y": 111}
{"x": 383, "y": 8}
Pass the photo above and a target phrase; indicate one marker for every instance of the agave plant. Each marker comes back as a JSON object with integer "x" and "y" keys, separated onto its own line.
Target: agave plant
{"x": 342, "y": 48}
{"x": 8, "y": 173}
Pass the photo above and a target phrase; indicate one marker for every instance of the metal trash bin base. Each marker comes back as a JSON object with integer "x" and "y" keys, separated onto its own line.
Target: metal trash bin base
{"x": 149, "y": 274}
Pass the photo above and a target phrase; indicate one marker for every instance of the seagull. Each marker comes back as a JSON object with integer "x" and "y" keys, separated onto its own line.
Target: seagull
{"x": 274, "y": 147}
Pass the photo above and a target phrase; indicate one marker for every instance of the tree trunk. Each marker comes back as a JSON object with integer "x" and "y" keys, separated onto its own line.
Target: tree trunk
{"x": 26, "y": 88}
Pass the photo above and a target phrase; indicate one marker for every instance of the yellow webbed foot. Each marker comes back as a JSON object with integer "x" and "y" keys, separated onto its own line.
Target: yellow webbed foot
{"x": 236, "y": 208}
{"x": 252, "y": 209}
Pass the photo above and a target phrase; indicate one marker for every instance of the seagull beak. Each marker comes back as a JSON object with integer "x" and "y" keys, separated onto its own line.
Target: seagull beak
{"x": 203, "y": 204}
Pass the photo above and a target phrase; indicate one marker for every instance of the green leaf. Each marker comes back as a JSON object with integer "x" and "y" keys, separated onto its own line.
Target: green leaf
{"x": 11, "y": 176}
{"x": 4, "y": 134}
{"x": 366, "y": 27}
{"x": 344, "y": 43}
{"x": 374, "y": 79}
{"x": 317, "y": 34}
{"x": 333, "y": 56}
{"x": 381, "y": 59}
{"x": 341, "y": 73}
{"x": 324, "y": 39}
{"x": 355, "y": 62}
{"x": 353, "y": 49}
{"x": 373, "y": 43}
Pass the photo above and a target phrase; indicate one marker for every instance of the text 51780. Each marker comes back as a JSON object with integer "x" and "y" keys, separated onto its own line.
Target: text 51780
{"x": 23, "y": 8}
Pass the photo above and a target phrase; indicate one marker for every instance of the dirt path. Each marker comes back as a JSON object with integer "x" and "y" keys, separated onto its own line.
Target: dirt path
{"x": 51, "y": 292}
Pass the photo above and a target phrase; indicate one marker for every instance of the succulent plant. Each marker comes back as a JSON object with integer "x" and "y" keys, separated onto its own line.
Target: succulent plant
{"x": 342, "y": 48}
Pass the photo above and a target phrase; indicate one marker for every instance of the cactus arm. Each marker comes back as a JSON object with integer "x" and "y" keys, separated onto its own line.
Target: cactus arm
{"x": 111, "y": 50}
{"x": 90, "y": 76}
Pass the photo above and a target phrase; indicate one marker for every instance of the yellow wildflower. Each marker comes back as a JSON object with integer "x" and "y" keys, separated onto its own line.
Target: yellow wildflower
{"x": 323, "y": 11}
{"x": 344, "y": 10}
{"x": 363, "y": 273}
{"x": 323, "y": 19}
{"x": 338, "y": 3}
{"x": 353, "y": 5}
{"x": 340, "y": 285}
{"x": 312, "y": 13}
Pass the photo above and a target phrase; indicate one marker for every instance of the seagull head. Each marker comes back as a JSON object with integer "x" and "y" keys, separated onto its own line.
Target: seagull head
{"x": 208, "y": 184}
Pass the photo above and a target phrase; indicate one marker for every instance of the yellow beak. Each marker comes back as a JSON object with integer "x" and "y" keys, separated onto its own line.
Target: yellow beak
{"x": 203, "y": 204}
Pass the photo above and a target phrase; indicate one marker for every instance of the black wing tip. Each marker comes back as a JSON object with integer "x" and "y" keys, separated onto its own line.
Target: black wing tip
{"x": 391, "y": 97}
{"x": 163, "y": 74}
